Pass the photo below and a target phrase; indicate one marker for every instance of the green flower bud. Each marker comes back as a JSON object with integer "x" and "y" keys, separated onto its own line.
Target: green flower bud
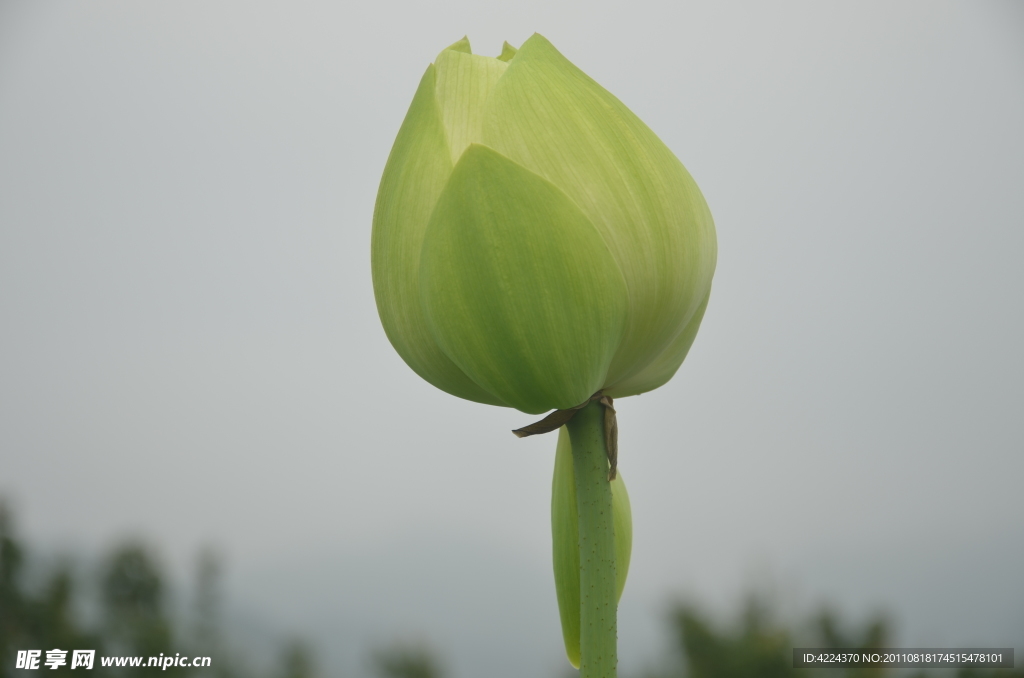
{"x": 533, "y": 241}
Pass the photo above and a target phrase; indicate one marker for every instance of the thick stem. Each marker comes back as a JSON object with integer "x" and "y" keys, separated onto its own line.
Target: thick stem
{"x": 598, "y": 656}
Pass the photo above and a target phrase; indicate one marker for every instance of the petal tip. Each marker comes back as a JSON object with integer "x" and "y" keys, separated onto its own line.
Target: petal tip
{"x": 461, "y": 45}
{"x": 507, "y": 52}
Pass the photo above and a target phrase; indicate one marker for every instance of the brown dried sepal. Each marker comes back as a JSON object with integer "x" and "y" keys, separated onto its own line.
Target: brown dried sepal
{"x": 559, "y": 418}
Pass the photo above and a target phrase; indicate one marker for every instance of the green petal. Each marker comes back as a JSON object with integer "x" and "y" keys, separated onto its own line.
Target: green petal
{"x": 464, "y": 83}
{"x": 460, "y": 45}
{"x": 507, "y": 52}
{"x": 665, "y": 365}
{"x": 519, "y": 289}
{"x": 548, "y": 116}
{"x": 415, "y": 174}
{"x": 565, "y": 543}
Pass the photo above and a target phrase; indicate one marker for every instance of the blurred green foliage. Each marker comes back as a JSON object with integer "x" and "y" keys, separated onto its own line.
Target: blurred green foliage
{"x": 407, "y": 661}
{"x": 297, "y": 661}
{"x": 136, "y": 622}
{"x": 133, "y": 619}
{"x": 132, "y": 616}
{"x": 759, "y": 645}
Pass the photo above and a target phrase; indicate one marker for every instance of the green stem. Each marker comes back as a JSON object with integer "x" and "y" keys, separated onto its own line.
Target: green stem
{"x": 598, "y": 656}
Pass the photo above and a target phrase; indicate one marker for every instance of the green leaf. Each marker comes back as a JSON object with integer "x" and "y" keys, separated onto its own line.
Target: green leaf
{"x": 549, "y": 117}
{"x": 662, "y": 368}
{"x": 416, "y": 172}
{"x": 565, "y": 543}
{"x": 518, "y": 288}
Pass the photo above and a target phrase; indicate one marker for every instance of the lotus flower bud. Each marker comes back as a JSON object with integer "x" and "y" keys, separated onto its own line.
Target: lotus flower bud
{"x": 533, "y": 241}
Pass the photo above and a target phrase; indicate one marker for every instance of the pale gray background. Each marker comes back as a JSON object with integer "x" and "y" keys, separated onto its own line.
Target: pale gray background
{"x": 190, "y": 349}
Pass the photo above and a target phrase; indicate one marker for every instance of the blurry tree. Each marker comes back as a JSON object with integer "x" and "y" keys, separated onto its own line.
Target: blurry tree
{"x": 135, "y": 622}
{"x": 831, "y": 632}
{"x": 992, "y": 673}
{"x": 12, "y": 635}
{"x": 206, "y": 629}
{"x": 45, "y": 620}
{"x": 406, "y": 661}
{"x": 756, "y": 647}
{"x": 133, "y": 603}
{"x": 298, "y": 661}
{"x": 135, "y": 619}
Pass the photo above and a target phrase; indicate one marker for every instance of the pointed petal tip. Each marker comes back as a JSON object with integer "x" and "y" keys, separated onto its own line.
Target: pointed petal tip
{"x": 507, "y": 52}
{"x": 536, "y": 38}
{"x": 461, "y": 45}
{"x": 538, "y": 46}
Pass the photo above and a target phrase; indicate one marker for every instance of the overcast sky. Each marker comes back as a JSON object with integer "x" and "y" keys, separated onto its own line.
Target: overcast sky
{"x": 190, "y": 351}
